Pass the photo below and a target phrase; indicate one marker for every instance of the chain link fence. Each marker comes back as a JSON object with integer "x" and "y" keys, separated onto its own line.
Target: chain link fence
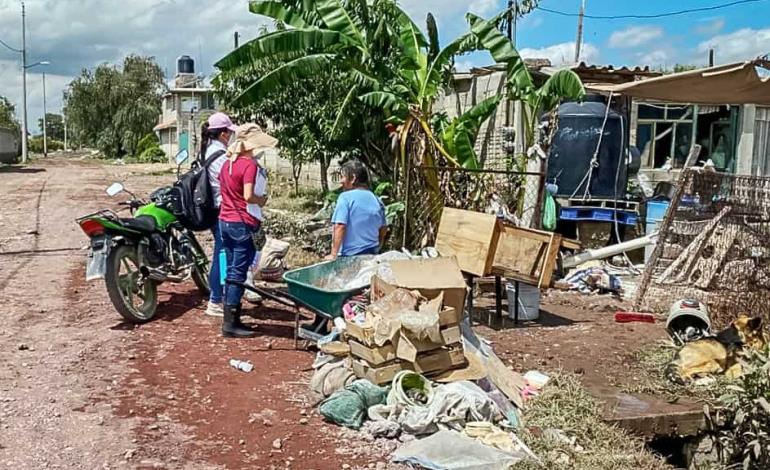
{"x": 715, "y": 248}
{"x": 427, "y": 190}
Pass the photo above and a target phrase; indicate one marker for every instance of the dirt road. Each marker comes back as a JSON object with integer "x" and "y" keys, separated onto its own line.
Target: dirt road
{"x": 81, "y": 389}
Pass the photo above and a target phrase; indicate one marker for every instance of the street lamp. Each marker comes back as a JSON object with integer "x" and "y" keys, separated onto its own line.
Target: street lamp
{"x": 25, "y": 67}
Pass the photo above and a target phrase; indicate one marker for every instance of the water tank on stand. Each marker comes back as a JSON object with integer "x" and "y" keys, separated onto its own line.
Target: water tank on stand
{"x": 185, "y": 65}
{"x": 573, "y": 147}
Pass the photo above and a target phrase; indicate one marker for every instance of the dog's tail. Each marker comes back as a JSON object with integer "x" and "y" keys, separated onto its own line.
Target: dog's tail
{"x": 673, "y": 373}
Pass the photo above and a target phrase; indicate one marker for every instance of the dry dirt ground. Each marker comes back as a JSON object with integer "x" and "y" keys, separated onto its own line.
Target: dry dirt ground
{"x": 81, "y": 389}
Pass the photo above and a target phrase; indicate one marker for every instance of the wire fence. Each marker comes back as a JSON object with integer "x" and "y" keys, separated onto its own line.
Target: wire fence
{"x": 715, "y": 248}
{"x": 427, "y": 190}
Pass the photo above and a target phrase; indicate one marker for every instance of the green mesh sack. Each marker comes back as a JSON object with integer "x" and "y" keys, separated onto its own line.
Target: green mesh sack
{"x": 549, "y": 212}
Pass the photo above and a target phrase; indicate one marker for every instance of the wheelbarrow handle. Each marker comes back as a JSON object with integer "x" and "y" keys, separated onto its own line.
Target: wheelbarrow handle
{"x": 284, "y": 298}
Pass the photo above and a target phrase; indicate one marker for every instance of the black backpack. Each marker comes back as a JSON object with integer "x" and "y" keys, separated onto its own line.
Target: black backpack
{"x": 193, "y": 198}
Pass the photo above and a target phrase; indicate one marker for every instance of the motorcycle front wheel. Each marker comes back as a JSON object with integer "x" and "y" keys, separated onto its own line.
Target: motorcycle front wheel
{"x": 134, "y": 297}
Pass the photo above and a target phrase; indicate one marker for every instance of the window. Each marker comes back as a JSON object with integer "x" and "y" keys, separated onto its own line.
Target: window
{"x": 761, "y": 165}
{"x": 664, "y": 134}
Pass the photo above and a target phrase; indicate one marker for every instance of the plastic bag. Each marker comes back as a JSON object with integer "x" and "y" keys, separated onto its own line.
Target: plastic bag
{"x": 549, "y": 212}
{"x": 348, "y": 407}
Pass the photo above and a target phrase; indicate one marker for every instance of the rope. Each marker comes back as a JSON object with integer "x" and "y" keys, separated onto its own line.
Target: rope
{"x": 595, "y": 159}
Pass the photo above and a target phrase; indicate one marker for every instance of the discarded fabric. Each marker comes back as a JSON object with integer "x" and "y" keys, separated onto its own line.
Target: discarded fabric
{"x": 450, "y": 450}
{"x": 592, "y": 280}
{"x": 348, "y": 407}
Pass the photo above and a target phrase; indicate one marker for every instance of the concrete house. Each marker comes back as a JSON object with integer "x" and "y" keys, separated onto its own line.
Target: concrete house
{"x": 186, "y": 106}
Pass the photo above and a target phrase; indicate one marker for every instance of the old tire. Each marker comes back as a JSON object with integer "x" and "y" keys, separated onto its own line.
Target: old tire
{"x": 135, "y": 298}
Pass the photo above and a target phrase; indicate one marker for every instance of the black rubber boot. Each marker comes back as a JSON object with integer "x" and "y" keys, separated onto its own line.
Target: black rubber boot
{"x": 238, "y": 321}
{"x": 230, "y": 324}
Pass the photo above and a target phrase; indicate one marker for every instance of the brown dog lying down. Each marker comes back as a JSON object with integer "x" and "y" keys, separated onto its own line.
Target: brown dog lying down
{"x": 718, "y": 354}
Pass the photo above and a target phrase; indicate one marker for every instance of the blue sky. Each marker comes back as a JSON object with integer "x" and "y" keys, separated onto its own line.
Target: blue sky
{"x": 737, "y": 32}
{"x": 78, "y": 34}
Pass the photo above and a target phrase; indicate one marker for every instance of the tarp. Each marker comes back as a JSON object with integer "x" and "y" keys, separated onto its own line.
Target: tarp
{"x": 737, "y": 83}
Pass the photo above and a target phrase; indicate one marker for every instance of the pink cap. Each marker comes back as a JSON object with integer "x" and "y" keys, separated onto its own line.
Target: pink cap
{"x": 221, "y": 121}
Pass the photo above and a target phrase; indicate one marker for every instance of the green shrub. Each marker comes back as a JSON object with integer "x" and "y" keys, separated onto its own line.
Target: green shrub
{"x": 36, "y": 144}
{"x": 152, "y": 155}
{"x": 146, "y": 143}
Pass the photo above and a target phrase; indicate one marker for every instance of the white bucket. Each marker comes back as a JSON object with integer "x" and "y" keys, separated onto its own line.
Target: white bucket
{"x": 529, "y": 301}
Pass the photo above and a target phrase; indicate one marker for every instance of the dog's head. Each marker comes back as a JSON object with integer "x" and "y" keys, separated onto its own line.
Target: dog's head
{"x": 750, "y": 331}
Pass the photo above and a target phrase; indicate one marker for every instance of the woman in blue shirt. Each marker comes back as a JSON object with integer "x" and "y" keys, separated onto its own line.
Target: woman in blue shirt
{"x": 359, "y": 218}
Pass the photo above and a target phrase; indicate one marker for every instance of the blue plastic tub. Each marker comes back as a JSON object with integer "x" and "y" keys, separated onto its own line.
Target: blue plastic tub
{"x": 656, "y": 210}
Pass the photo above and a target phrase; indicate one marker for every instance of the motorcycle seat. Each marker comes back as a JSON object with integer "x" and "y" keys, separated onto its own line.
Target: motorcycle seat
{"x": 142, "y": 223}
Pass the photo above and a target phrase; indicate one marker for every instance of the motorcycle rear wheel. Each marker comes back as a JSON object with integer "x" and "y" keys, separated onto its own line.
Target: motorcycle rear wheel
{"x": 135, "y": 298}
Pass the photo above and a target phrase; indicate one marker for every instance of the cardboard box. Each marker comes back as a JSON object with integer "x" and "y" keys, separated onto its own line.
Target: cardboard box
{"x": 377, "y": 355}
{"x": 364, "y": 333}
{"x": 429, "y": 363}
{"x": 429, "y": 277}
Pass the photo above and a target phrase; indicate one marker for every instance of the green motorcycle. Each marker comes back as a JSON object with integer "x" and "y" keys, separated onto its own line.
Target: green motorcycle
{"x": 135, "y": 254}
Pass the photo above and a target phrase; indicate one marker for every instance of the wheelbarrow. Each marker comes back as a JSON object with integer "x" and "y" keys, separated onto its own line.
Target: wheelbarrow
{"x": 302, "y": 292}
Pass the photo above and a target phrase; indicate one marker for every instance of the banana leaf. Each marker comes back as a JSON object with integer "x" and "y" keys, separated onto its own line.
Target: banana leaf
{"x": 280, "y": 12}
{"x": 564, "y": 84}
{"x": 337, "y": 19}
{"x": 281, "y": 43}
{"x": 304, "y": 67}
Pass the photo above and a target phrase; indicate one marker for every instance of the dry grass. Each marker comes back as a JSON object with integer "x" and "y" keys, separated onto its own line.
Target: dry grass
{"x": 283, "y": 197}
{"x": 565, "y": 405}
{"x": 648, "y": 370}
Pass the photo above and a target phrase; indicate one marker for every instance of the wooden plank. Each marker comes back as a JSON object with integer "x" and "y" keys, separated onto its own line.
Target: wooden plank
{"x": 571, "y": 244}
{"x": 519, "y": 252}
{"x": 469, "y": 236}
{"x": 664, "y": 227}
{"x": 549, "y": 263}
{"x": 708, "y": 267}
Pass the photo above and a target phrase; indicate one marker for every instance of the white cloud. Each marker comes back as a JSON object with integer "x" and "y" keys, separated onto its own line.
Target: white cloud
{"x": 744, "y": 44}
{"x": 655, "y": 58}
{"x": 483, "y": 7}
{"x": 562, "y": 54}
{"x": 78, "y": 34}
{"x": 710, "y": 27}
{"x": 635, "y": 36}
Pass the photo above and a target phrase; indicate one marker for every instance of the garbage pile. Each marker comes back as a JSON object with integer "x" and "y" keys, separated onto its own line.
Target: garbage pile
{"x": 404, "y": 365}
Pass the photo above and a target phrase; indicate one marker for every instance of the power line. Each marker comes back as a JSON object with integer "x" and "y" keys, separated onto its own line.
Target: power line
{"x": 9, "y": 47}
{"x": 657, "y": 15}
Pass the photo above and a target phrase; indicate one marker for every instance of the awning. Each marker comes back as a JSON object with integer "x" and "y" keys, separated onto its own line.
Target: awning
{"x": 165, "y": 125}
{"x": 737, "y": 83}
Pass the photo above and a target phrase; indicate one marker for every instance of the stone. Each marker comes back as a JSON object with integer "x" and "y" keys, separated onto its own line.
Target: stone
{"x": 303, "y": 421}
{"x": 277, "y": 444}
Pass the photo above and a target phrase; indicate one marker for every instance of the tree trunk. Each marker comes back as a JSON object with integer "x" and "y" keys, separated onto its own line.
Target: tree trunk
{"x": 296, "y": 172}
{"x": 325, "y": 162}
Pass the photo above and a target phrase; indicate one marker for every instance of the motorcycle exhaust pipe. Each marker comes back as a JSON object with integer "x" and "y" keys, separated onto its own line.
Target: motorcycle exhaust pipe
{"x": 158, "y": 275}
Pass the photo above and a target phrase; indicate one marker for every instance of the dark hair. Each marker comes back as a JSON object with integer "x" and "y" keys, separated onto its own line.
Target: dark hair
{"x": 207, "y": 135}
{"x": 356, "y": 170}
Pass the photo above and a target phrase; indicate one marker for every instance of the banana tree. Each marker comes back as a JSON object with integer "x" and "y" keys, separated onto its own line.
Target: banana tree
{"x": 323, "y": 38}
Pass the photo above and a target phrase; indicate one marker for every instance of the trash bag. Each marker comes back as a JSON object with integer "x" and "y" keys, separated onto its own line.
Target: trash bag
{"x": 549, "y": 212}
{"x": 348, "y": 407}
{"x": 410, "y": 389}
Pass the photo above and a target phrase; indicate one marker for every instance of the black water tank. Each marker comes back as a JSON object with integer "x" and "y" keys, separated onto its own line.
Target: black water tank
{"x": 573, "y": 149}
{"x": 185, "y": 64}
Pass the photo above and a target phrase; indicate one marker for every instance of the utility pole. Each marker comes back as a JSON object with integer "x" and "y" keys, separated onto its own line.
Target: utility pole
{"x": 236, "y": 37}
{"x": 24, "y": 149}
{"x": 711, "y": 57}
{"x": 45, "y": 122}
{"x": 64, "y": 122}
{"x": 579, "y": 39}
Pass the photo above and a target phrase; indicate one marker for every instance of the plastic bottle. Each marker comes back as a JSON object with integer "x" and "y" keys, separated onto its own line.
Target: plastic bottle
{"x": 242, "y": 365}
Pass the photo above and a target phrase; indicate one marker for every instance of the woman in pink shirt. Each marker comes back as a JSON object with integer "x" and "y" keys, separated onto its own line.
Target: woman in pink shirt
{"x": 236, "y": 224}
